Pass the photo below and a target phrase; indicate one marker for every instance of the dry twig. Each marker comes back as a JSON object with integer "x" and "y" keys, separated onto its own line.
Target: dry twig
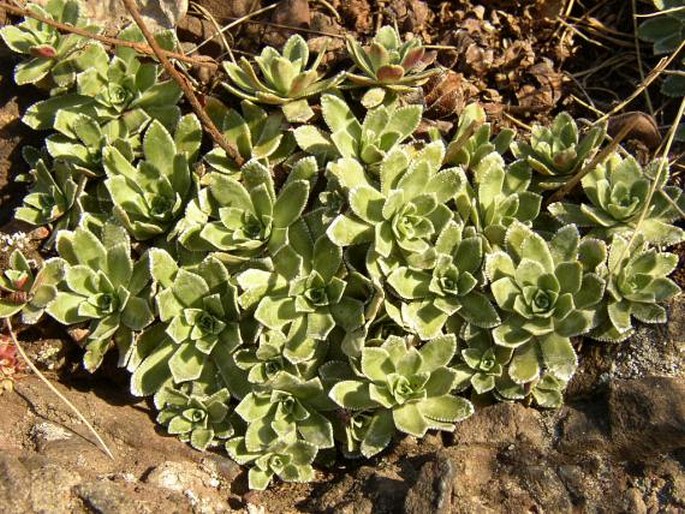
{"x": 54, "y": 390}
{"x": 206, "y": 121}
{"x": 109, "y": 41}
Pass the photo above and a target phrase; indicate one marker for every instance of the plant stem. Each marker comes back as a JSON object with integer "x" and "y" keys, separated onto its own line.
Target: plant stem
{"x": 110, "y": 41}
{"x": 218, "y": 138}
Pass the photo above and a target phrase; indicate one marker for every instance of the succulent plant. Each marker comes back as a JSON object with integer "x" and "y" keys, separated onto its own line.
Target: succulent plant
{"x": 667, "y": 31}
{"x": 47, "y": 49}
{"x": 481, "y": 362}
{"x": 383, "y": 129}
{"x": 121, "y": 93}
{"x": 303, "y": 296}
{"x": 496, "y": 197}
{"x": 243, "y": 219}
{"x": 389, "y": 65}
{"x": 80, "y": 141}
{"x": 337, "y": 295}
{"x": 29, "y": 291}
{"x": 291, "y": 462}
{"x": 471, "y": 142}
{"x": 201, "y": 420}
{"x": 53, "y": 198}
{"x": 289, "y": 407}
{"x": 411, "y": 386}
{"x": 624, "y": 197}
{"x": 255, "y": 133}
{"x": 149, "y": 197}
{"x": 199, "y": 313}
{"x": 548, "y": 297}
{"x": 430, "y": 297}
{"x": 102, "y": 285}
{"x": 547, "y": 390}
{"x": 637, "y": 284}
{"x": 408, "y": 212}
{"x": 556, "y": 153}
{"x": 286, "y": 79}
{"x": 263, "y": 362}
{"x": 11, "y": 365}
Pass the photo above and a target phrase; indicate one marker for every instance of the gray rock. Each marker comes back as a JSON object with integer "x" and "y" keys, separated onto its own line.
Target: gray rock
{"x": 647, "y": 416}
{"x": 432, "y": 491}
{"x": 15, "y": 485}
{"x": 50, "y": 491}
{"x": 108, "y": 498}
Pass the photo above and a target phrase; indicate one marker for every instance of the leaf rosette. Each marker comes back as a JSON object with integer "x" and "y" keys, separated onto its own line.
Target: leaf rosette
{"x": 103, "y": 285}
{"x": 556, "y": 152}
{"x": 26, "y": 290}
{"x": 201, "y": 420}
{"x": 286, "y": 79}
{"x": 199, "y": 312}
{"x": 239, "y": 220}
{"x": 496, "y": 197}
{"x": 406, "y": 214}
{"x": 149, "y": 197}
{"x": 53, "y": 198}
{"x": 549, "y": 297}
{"x": 429, "y": 297}
{"x": 47, "y": 49}
{"x": 472, "y": 141}
{"x": 619, "y": 192}
{"x": 256, "y": 134}
{"x": 304, "y": 296}
{"x": 122, "y": 94}
{"x": 382, "y": 130}
{"x": 291, "y": 462}
{"x": 409, "y": 386}
{"x": 288, "y": 408}
{"x": 481, "y": 363}
{"x": 637, "y": 283}
{"x": 389, "y": 65}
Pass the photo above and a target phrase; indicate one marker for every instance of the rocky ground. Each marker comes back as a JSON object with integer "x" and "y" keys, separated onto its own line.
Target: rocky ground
{"x": 618, "y": 445}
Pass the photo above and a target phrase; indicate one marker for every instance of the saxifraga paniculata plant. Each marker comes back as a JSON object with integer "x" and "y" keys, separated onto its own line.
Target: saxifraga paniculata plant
{"x": 350, "y": 281}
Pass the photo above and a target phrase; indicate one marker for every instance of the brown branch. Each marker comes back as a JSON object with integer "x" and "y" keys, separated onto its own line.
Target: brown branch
{"x": 110, "y": 41}
{"x": 218, "y": 138}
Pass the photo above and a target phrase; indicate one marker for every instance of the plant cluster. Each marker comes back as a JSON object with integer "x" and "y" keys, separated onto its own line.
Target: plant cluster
{"x": 350, "y": 281}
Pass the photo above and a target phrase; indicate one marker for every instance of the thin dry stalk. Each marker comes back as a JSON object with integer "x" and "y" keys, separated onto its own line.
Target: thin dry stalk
{"x": 657, "y": 177}
{"x": 54, "y": 390}
{"x": 221, "y": 30}
{"x": 658, "y": 69}
{"x": 638, "y": 53}
{"x": 206, "y": 121}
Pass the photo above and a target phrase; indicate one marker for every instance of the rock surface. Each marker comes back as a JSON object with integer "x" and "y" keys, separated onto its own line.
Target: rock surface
{"x": 618, "y": 445}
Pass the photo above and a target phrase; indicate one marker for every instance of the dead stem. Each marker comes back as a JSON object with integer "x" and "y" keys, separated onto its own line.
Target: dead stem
{"x": 222, "y": 30}
{"x": 54, "y": 390}
{"x": 658, "y": 69}
{"x": 207, "y": 122}
{"x": 638, "y": 54}
{"x": 657, "y": 177}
